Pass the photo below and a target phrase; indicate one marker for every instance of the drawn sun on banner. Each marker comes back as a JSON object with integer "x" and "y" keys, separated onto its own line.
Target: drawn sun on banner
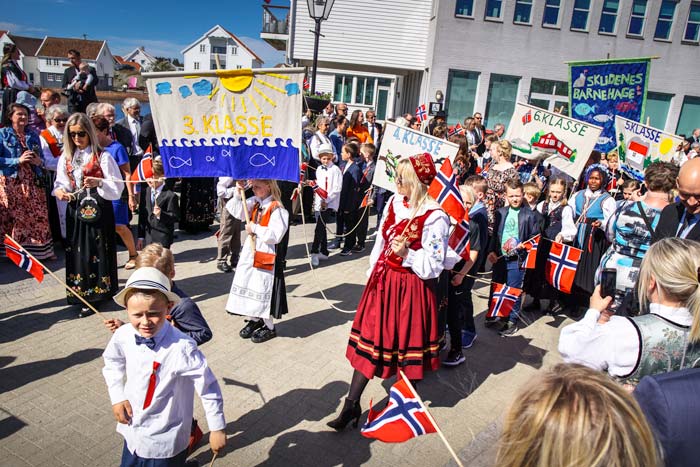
{"x": 237, "y": 123}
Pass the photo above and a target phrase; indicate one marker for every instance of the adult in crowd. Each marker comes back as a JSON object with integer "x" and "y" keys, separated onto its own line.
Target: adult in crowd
{"x": 662, "y": 340}
{"x": 435, "y": 122}
{"x": 373, "y": 128}
{"x": 694, "y": 137}
{"x": 148, "y": 136}
{"x": 414, "y": 123}
{"x": 337, "y": 136}
{"x": 35, "y": 123}
{"x": 87, "y": 91}
{"x": 23, "y": 207}
{"x": 573, "y": 416}
{"x": 357, "y": 129}
{"x": 499, "y": 130}
{"x": 132, "y": 122}
{"x": 52, "y": 147}
{"x": 670, "y": 403}
{"x": 229, "y": 237}
{"x": 469, "y": 132}
{"x": 499, "y": 172}
{"x": 48, "y": 98}
{"x": 395, "y": 326}
{"x": 479, "y": 133}
{"x": 117, "y": 132}
{"x": 320, "y": 137}
{"x": 87, "y": 177}
{"x": 127, "y": 198}
{"x": 680, "y": 219}
{"x": 630, "y": 230}
{"x": 341, "y": 110}
{"x": 12, "y": 79}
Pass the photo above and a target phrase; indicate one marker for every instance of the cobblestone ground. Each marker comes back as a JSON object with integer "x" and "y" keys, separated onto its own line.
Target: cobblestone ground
{"x": 54, "y": 408}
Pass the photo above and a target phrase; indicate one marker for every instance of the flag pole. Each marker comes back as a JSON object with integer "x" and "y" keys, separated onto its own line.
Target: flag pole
{"x": 247, "y": 217}
{"x": 432, "y": 420}
{"x": 77, "y": 295}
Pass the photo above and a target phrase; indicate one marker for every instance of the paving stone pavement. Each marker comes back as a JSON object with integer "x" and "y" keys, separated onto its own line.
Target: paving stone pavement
{"x": 54, "y": 408}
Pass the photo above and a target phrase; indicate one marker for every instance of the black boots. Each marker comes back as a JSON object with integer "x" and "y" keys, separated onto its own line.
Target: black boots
{"x": 351, "y": 411}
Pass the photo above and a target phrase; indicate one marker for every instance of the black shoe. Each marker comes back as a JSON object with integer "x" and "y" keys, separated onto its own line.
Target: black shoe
{"x": 345, "y": 253}
{"x": 359, "y": 248}
{"x": 509, "y": 329}
{"x": 534, "y": 306}
{"x": 454, "y": 358}
{"x": 351, "y": 411}
{"x": 250, "y": 328}
{"x": 491, "y": 322}
{"x": 556, "y": 309}
{"x": 263, "y": 334}
{"x": 85, "y": 311}
{"x": 223, "y": 266}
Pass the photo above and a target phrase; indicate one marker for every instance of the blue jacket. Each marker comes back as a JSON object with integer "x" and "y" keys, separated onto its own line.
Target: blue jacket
{"x": 351, "y": 192}
{"x": 528, "y": 227}
{"x": 11, "y": 150}
{"x": 189, "y": 319}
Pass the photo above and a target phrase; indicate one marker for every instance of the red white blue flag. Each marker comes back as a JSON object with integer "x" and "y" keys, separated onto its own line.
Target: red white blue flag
{"x": 531, "y": 247}
{"x": 16, "y": 253}
{"x": 144, "y": 171}
{"x": 455, "y": 130}
{"x": 421, "y": 113}
{"x": 444, "y": 190}
{"x": 561, "y": 266}
{"x": 503, "y": 300}
{"x": 318, "y": 190}
{"x": 403, "y": 418}
{"x": 306, "y": 81}
{"x": 459, "y": 238}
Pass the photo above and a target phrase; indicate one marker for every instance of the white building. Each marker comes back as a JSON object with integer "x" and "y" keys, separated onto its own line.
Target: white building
{"x": 484, "y": 55}
{"x": 140, "y": 56}
{"x": 232, "y": 53}
{"x": 52, "y": 60}
{"x": 27, "y": 47}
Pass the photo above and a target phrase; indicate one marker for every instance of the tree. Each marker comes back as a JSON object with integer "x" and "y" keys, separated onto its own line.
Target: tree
{"x": 161, "y": 64}
{"x": 176, "y": 62}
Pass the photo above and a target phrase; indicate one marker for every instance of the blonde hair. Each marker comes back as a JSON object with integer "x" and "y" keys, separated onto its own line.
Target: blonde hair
{"x": 531, "y": 188}
{"x": 612, "y": 156}
{"x": 558, "y": 181}
{"x": 574, "y": 416}
{"x": 85, "y": 124}
{"x": 155, "y": 255}
{"x": 468, "y": 193}
{"x": 404, "y": 169}
{"x": 505, "y": 149}
{"x": 275, "y": 191}
{"x": 673, "y": 263}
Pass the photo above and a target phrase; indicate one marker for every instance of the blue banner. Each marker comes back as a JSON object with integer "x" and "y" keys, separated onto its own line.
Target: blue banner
{"x": 598, "y": 91}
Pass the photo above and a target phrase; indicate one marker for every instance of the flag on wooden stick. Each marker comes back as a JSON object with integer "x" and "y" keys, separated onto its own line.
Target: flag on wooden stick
{"x": 17, "y": 255}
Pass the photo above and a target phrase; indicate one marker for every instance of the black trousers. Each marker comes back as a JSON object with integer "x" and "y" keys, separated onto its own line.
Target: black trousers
{"x": 320, "y": 243}
{"x": 460, "y": 311}
{"x": 350, "y": 219}
{"x": 363, "y": 214}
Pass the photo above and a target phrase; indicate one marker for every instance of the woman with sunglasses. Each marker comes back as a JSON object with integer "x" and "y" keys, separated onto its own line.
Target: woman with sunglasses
{"x": 23, "y": 208}
{"x": 88, "y": 178}
{"x": 52, "y": 148}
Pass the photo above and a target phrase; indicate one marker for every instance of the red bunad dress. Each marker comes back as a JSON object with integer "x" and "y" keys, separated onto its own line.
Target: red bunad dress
{"x": 396, "y": 321}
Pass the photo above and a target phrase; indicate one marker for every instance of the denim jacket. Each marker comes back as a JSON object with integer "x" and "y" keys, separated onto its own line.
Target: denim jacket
{"x": 11, "y": 150}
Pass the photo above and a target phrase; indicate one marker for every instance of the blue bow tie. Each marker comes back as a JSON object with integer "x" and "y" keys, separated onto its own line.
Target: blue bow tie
{"x": 323, "y": 167}
{"x": 147, "y": 341}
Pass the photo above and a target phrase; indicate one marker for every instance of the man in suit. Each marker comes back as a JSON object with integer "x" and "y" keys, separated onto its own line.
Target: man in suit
{"x": 672, "y": 408}
{"x": 694, "y": 137}
{"x": 340, "y": 109}
{"x": 132, "y": 122}
{"x": 88, "y": 95}
{"x": 374, "y": 128}
{"x": 682, "y": 219}
{"x": 479, "y": 135}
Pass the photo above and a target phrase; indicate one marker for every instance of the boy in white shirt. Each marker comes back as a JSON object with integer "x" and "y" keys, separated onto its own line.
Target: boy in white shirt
{"x": 152, "y": 371}
{"x": 329, "y": 181}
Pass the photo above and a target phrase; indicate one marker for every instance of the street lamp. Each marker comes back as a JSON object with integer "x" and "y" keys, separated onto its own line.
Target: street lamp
{"x": 318, "y": 11}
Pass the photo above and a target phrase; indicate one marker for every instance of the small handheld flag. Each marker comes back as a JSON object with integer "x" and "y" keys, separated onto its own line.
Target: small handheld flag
{"x": 421, "y": 113}
{"x": 16, "y": 253}
{"x": 503, "y": 300}
{"x": 144, "y": 171}
{"x": 444, "y": 190}
{"x": 531, "y": 247}
{"x": 318, "y": 190}
{"x": 561, "y": 266}
{"x": 459, "y": 238}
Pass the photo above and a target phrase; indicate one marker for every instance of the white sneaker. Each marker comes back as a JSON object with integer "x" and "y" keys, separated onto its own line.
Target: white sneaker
{"x": 314, "y": 259}
{"x": 322, "y": 256}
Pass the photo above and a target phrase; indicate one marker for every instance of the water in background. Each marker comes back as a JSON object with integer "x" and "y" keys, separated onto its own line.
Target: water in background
{"x": 145, "y": 110}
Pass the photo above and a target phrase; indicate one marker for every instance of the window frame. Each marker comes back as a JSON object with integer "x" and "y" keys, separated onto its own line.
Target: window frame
{"x": 234, "y": 50}
{"x": 559, "y": 15}
{"x": 532, "y": 8}
{"x": 671, "y": 21}
{"x": 588, "y": 17}
{"x": 195, "y": 65}
{"x": 460, "y": 15}
{"x": 497, "y": 19}
{"x": 644, "y": 20}
{"x": 203, "y": 48}
{"x": 603, "y": 14}
{"x": 685, "y": 40}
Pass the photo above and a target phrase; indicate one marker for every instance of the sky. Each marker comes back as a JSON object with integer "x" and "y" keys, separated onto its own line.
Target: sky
{"x": 164, "y": 28}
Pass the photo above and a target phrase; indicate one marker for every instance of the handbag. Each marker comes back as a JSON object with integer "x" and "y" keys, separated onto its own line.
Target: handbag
{"x": 89, "y": 209}
{"x": 262, "y": 260}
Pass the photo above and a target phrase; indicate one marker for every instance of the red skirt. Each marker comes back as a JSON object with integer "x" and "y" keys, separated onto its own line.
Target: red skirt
{"x": 395, "y": 326}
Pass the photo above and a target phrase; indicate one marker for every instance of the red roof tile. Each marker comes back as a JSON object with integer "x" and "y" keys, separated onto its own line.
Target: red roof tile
{"x": 59, "y": 47}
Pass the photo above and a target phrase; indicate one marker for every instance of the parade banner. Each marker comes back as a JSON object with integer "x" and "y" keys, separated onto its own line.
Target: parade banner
{"x": 237, "y": 123}
{"x": 553, "y": 138}
{"x": 400, "y": 142}
{"x": 640, "y": 145}
{"x": 600, "y": 90}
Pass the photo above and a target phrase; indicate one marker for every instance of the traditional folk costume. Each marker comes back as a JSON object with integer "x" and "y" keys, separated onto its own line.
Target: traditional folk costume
{"x": 91, "y": 253}
{"x": 258, "y": 288}
{"x": 52, "y": 148}
{"x": 395, "y": 326}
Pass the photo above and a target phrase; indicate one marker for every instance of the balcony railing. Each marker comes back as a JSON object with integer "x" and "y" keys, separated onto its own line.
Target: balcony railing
{"x": 275, "y": 23}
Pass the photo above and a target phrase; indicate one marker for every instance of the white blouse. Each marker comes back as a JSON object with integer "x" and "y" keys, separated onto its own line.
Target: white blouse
{"x": 427, "y": 262}
{"x": 568, "y": 228}
{"x": 112, "y": 184}
{"x": 608, "y": 205}
{"x": 331, "y": 180}
{"x": 265, "y": 237}
{"x": 50, "y": 161}
{"x": 612, "y": 346}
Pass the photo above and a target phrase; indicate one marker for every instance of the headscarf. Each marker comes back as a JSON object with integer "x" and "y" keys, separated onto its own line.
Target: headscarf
{"x": 602, "y": 170}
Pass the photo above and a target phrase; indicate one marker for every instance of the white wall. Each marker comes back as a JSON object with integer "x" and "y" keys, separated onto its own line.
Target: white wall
{"x": 229, "y": 61}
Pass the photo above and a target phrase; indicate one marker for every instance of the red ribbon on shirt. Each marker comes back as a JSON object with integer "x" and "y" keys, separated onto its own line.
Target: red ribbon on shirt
{"x": 151, "y": 386}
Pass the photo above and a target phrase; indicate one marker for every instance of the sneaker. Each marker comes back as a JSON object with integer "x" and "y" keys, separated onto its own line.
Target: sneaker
{"x": 454, "y": 358}
{"x": 509, "y": 329}
{"x": 468, "y": 339}
{"x": 223, "y": 266}
{"x": 372, "y": 235}
{"x": 345, "y": 253}
{"x": 85, "y": 312}
{"x": 314, "y": 259}
{"x": 250, "y": 328}
{"x": 334, "y": 245}
{"x": 322, "y": 256}
{"x": 358, "y": 248}
{"x": 263, "y": 334}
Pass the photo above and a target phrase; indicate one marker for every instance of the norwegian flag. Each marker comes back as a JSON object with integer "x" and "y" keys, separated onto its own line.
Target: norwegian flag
{"x": 306, "y": 84}
{"x": 444, "y": 190}
{"x": 403, "y": 418}
{"x": 366, "y": 199}
{"x": 502, "y": 300}
{"x": 561, "y": 266}
{"x": 144, "y": 171}
{"x": 455, "y": 130}
{"x": 318, "y": 190}
{"x": 531, "y": 247}
{"x": 459, "y": 238}
{"x": 421, "y": 113}
{"x": 16, "y": 253}
{"x": 527, "y": 118}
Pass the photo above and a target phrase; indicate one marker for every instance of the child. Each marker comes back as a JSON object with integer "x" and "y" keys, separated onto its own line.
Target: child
{"x": 513, "y": 224}
{"x": 258, "y": 289}
{"x": 79, "y": 84}
{"x": 158, "y": 211}
{"x": 617, "y": 177}
{"x": 350, "y": 196}
{"x": 367, "y": 151}
{"x": 327, "y": 186}
{"x": 152, "y": 371}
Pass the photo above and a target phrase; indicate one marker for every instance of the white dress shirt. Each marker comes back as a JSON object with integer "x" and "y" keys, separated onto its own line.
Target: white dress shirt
{"x": 226, "y": 187}
{"x": 162, "y": 430}
{"x": 316, "y": 141}
{"x": 51, "y": 161}
{"x": 135, "y": 128}
{"x": 112, "y": 184}
{"x": 331, "y": 180}
{"x": 608, "y": 206}
{"x": 568, "y": 228}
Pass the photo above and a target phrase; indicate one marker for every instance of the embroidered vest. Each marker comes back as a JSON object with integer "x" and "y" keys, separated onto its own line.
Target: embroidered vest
{"x": 595, "y": 209}
{"x": 552, "y": 220}
{"x": 53, "y": 143}
{"x": 413, "y": 235}
{"x": 664, "y": 347}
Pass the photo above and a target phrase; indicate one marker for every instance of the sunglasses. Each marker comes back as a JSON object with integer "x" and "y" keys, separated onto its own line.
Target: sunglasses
{"x": 79, "y": 134}
{"x": 60, "y": 120}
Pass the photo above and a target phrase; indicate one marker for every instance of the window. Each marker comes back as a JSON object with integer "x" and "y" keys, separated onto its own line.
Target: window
{"x": 196, "y": 65}
{"x": 665, "y": 21}
{"x": 637, "y": 18}
{"x": 31, "y": 77}
{"x": 218, "y": 49}
{"x": 523, "y": 12}
{"x": 503, "y": 92}
{"x": 238, "y": 67}
{"x": 461, "y": 92}
{"x": 579, "y": 19}
{"x": 234, "y": 50}
{"x": 355, "y": 89}
{"x": 49, "y": 76}
{"x": 342, "y": 91}
{"x": 202, "y": 48}
{"x": 494, "y": 9}
{"x": 465, "y": 8}
{"x": 48, "y": 61}
{"x": 690, "y": 115}
{"x": 549, "y": 95}
{"x": 364, "y": 91}
{"x": 551, "y": 13}
{"x": 657, "y": 109}
{"x": 608, "y": 17}
{"x": 692, "y": 28}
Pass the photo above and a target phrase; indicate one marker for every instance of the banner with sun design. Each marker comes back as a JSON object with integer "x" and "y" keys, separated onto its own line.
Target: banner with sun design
{"x": 235, "y": 123}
